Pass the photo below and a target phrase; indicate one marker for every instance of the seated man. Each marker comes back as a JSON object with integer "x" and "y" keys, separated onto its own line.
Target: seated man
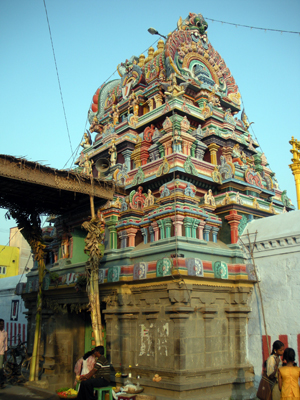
{"x": 98, "y": 377}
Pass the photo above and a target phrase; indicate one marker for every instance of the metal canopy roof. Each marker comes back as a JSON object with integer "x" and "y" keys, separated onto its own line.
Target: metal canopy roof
{"x": 30, "y": 185}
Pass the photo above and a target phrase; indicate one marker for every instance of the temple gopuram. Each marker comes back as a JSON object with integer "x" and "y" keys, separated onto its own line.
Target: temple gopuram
{"x": 174, "y": 288}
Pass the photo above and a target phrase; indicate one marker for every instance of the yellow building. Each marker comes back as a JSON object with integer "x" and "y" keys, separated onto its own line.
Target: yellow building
{"x": 9, "y": 261}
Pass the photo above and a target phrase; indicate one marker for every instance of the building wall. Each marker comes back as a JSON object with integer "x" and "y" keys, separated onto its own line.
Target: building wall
{"x": 277, "y": 257}
{"x": 9, "y": 261}
{"x": 16, "y": 239}
{"x": 13, "y": 309}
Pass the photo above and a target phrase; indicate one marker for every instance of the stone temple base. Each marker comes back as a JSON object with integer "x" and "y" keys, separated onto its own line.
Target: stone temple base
{"x": 189, "y": 331}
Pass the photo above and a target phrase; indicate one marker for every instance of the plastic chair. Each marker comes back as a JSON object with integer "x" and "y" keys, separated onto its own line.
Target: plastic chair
{"x": 104, "y": 390}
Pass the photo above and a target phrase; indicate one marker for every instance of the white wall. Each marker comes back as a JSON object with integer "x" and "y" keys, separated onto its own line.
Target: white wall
{"x": 12, "y": 308}
{"x": 276, "y": 242}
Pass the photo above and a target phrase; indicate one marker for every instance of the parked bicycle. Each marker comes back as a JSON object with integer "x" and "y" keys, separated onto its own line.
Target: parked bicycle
{"x": 17, "y": 365}
{"x": 15, "y": 357}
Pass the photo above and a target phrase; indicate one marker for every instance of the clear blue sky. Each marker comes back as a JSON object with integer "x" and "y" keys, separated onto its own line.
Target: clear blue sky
{"x": 92, "y": 37}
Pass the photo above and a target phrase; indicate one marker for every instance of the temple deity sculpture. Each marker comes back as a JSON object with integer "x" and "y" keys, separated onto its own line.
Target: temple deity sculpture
{"x": 115, "y": 114}
{"x": 113, "y": 153}
{"x": 238, "y": 155}
{"x": 96, "y": 126}
{"x": 176, "y": 142}
{"x": 174, "y": 90}
{"x": 87, "y": 141}
{"x": 209, "y": 198}
{"x": 149, "y": 201}
{"x": 245, "y": 121}
{"x": 87, "y": 165}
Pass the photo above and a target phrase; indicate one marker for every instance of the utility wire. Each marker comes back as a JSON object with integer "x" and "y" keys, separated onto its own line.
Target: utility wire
{"x": 252, "y": 27}
{"x": 7, "y": 245}
{"x": 62, "y": 100}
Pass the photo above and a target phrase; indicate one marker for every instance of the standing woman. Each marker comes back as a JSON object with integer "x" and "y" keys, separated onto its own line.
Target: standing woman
{"x": 273, "y": 363}
{"x": 288, "y": 377}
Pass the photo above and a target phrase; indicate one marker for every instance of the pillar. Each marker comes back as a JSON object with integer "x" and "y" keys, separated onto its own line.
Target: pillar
{"x": 233, "y": 219}
{"x": 200, "y": 229}
{"x": 145, "y": 234}
{"x": 156, "y": 231}
{"x": 209, "y": 314}
{"x": 123, "y": 237}
{"x": 188, "y": 221}
{"x": 213, "y": 149}
{"x": 127, "y": 154}
{"x": 295, "y": 166}
{"x": 296, "y": 172}
{"x": 237, "y": 333}
{"x": 195, "y": 223}
{"x": 215, "y": 230}
{"x": 131, "y": 232}
{"x": 161, "y": 225}
{"x": 177, "y": 222}
{"x": 168, "y": 225}
{"x": 151, "y": 231}
{"x": 206, "y": 231}
{"x": 111, "y": 225}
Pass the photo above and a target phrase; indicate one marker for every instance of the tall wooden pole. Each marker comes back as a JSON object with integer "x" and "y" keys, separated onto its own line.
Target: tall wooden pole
{"x": 94, "y": 247}
{"x": 38, "y": 250}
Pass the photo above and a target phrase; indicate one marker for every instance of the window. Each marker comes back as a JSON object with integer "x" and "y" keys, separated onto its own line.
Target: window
{"x": 2, "y": 270}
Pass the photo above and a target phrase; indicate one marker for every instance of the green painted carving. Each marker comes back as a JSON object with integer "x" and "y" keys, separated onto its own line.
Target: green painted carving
{"x": 220, "y": 270}
{"x": 193, "y": 22}
{"x": 164, "y": 168}
{"x": 163, "y": 267}
{"x": 189, "y": 167}
{"x": 139, "y": 177}
{"x": 242, "y": 224}
{"x": 285, "y": 200}
{"x": 132, "y": 193}
{"x": 161, "y": 150}
{"x": 217, "y": 177}
{"x": 113, "y": 274}
{"x": 193, "y": 148}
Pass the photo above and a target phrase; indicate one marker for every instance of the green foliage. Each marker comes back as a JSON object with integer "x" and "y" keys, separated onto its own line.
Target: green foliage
{"x": 81, "y": 280}
{"x": 54, "y": 277}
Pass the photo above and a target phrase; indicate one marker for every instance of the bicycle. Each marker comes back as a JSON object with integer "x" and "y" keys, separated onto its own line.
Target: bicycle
{"x": 17, "y": 366}
{"x": 15, "y": 357}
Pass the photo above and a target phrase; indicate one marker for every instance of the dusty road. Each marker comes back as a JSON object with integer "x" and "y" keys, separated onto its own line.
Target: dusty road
{"x": 24, "y": 392}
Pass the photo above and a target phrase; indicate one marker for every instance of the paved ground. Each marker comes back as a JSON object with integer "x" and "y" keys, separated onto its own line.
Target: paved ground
{"x": 26, "y": 392}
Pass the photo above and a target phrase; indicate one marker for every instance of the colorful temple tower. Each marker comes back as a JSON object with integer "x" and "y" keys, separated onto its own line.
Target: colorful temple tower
{"x": 173, "y": 284}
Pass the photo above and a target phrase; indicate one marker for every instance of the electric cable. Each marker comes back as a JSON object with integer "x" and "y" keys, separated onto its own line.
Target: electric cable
{"x": 252, "y": 27}
{"x": 61, "y": 95}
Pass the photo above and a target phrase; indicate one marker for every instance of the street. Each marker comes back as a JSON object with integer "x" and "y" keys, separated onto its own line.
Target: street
{"x": 26, "y": 392}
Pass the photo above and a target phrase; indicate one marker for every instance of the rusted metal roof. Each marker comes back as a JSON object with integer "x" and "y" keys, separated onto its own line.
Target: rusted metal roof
{"x": 32, "y": 185}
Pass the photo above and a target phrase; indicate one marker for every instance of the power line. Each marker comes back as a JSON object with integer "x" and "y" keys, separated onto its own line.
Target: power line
{"x": 18, "y": 230}
{"x": 253, "y": 27}
{"x": 62, "y": 100}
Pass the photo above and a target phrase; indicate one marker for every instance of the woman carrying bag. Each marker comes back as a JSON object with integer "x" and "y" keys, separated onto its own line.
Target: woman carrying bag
{"x": 268, "y": 387}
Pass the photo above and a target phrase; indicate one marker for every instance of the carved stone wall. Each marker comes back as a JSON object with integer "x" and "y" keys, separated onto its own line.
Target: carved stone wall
{"x": 62, "y": 338}
{"x": 192, "y": 334}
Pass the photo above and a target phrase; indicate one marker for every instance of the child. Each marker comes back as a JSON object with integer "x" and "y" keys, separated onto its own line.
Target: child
{"x": 288, "y": 377}
{"x": 273, "y": 363}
